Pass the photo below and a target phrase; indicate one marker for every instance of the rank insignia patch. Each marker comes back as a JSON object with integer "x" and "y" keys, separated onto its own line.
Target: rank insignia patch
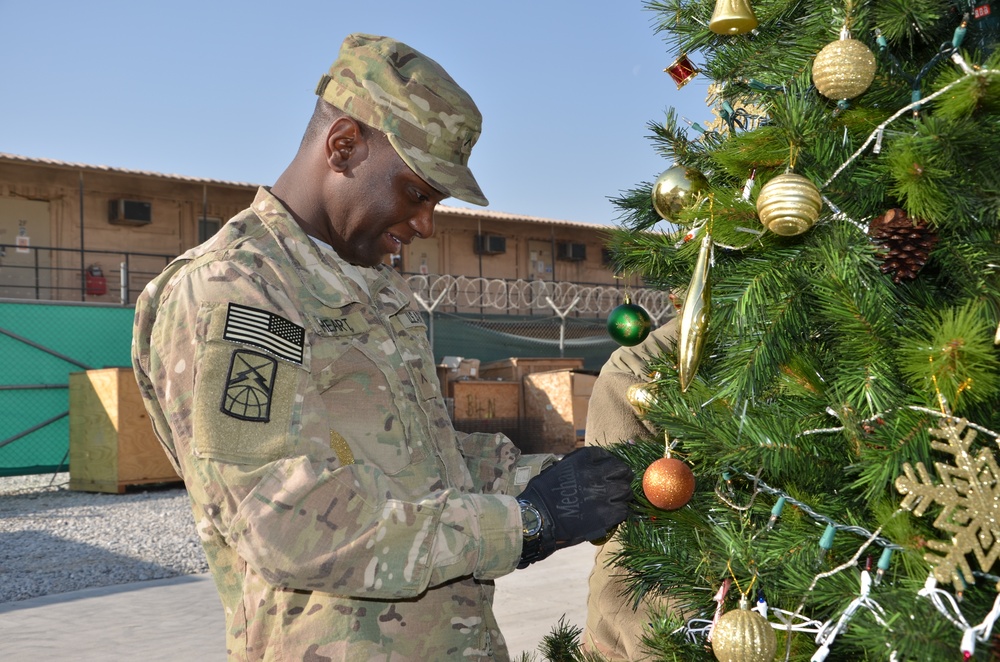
{"x": 249, "y": 386}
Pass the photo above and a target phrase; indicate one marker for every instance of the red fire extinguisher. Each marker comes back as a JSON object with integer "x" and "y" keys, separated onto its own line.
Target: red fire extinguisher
{"x": 97, "y": 284}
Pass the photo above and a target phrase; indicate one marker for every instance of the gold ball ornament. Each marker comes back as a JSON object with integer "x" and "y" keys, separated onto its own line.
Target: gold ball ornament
{"x": 639, "y": 396}
{"x": 742, "y": 635}
{"x": 675, "y": 188}
{"x": 789, "y": 204}
{"x": 668, "y": 483}
{"x": 843, "y": 69}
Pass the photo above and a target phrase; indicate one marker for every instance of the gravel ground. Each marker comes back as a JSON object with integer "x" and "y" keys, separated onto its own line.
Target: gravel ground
{"x": 53, "y": 539}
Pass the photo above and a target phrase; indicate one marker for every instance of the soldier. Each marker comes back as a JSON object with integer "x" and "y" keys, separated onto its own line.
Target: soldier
{"x": 615, "y": 626}
{"x": 291, "y": 382}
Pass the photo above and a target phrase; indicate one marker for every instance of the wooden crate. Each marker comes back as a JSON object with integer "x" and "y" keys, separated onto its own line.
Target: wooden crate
{"x": 485, "y": 399}
{"x": 555, "y": 405}
{"x": 111, "y": 440}
{"x": 514, "y": 369}
{"x": 456, "y": 368}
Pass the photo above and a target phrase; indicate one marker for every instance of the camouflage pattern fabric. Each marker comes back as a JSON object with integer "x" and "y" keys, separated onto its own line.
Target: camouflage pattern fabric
{"x": 614, "y": 628}
{"x": 430, "y": 120}
{"x": 343, "y": 516}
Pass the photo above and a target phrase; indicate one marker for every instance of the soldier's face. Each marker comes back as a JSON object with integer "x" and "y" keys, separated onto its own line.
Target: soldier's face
{"x": 387, "y": 206}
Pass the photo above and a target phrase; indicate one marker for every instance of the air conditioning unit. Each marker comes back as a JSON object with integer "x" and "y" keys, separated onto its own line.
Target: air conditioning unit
{"x": 130, "y": 212}
{"x": 570, "y": 251}
{"x": 490, "y": 244}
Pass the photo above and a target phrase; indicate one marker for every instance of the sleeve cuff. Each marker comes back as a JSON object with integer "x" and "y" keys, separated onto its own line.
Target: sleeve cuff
{"x": 528, "y": 466}
{"x": 495, "y": 525}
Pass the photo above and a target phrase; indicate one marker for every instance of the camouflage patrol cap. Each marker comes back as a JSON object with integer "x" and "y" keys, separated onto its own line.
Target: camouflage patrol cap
{"x": 431, "y": 122}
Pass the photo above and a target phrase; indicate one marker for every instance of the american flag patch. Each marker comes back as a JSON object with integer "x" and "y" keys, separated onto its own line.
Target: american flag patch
{"x": 268, "y": 331}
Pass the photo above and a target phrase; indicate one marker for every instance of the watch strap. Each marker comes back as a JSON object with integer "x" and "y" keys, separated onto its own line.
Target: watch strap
{"x": 531, "y": 547}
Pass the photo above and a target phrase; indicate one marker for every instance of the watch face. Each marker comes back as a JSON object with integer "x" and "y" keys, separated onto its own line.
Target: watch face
{"x": 531, "y": 521}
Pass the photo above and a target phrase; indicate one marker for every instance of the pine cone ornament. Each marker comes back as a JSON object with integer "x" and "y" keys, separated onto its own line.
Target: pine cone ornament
{"x": 904, "y": 242}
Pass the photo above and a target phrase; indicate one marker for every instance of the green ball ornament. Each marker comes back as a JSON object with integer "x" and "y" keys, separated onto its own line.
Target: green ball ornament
{"x": 629, "y": 323}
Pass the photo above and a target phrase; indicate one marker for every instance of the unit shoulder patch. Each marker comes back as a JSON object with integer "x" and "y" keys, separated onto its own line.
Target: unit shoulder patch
{"x": 249, "y": 386}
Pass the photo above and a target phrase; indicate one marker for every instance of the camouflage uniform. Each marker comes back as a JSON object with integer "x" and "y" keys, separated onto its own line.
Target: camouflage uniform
{"x": 343, "y": 516}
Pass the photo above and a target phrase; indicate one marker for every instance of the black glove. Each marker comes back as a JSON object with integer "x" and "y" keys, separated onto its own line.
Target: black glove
{"x": 582, "y": 497}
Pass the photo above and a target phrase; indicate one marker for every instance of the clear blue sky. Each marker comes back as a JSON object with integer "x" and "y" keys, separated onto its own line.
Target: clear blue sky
{"x": 223, "y": 89}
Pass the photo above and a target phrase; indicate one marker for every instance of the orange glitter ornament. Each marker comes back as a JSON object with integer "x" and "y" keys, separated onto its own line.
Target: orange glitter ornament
{"x": 668, "y": 483}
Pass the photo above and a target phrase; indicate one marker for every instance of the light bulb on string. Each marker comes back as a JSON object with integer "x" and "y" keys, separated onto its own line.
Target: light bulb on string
{"x": 779, "y": 506}
{"x": 826, "y": 542}
{"x": 883, "y": 564}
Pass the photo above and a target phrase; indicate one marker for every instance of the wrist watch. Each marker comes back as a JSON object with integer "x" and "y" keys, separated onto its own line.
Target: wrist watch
{"x": 531, "y": 529}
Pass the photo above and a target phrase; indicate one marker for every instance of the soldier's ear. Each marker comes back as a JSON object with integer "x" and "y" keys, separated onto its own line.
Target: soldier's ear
{"x": 345, "y": 145}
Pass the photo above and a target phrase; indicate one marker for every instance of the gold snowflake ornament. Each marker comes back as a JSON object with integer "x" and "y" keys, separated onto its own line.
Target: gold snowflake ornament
{"x": 969, "y": 494}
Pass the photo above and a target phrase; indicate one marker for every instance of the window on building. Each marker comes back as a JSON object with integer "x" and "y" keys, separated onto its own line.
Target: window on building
{"x": 208, "y": 227}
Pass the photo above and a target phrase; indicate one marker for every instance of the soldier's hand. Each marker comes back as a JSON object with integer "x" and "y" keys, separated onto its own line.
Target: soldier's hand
{"x": 580, "y": 498}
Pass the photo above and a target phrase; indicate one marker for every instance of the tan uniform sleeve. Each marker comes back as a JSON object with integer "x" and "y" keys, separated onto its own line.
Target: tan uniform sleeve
{"x": 497, "y": 465}
{"x": 294, "y": 512}
{"x": 613, "y": 627}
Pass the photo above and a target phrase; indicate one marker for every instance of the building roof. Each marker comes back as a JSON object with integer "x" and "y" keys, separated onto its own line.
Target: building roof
{"x": 487, "y": 214}
{"x": 67, "y": 165}
{"x": 456, "y": 211}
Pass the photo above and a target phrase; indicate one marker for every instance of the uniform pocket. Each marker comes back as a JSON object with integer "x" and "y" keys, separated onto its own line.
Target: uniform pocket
{"x": 359, "y": 390}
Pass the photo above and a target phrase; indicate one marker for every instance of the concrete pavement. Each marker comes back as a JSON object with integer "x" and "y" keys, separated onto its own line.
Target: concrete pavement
{"x": 180, "y": 619}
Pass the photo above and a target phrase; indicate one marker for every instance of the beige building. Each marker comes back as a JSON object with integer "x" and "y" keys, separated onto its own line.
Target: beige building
{"x": 78, "y": 232}
{"x": 495, "y": 288}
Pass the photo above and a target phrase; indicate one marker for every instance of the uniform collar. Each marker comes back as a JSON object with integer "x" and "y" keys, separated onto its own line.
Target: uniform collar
{"x": 322, "y": 272}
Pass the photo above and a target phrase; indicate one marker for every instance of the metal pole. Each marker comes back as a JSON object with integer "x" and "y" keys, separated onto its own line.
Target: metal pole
{"x": 33, "y": 428}
{"x": 430, "y": 314}
{"x": 479, "y": 238}
{"x": 552, "y": 229}
{"x": 43, "y": 348}
{"x": 83, "y": 260}
{"x": 204, "y": 213}
{"x": 38, "y": 288}
{"x": 562, "y": 325}
{"x": 123, "y": 278}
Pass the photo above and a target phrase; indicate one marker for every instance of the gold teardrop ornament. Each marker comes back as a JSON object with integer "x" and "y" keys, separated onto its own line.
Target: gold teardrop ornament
{"x": 789, "y": 204}
{"x": 694, "y": 316}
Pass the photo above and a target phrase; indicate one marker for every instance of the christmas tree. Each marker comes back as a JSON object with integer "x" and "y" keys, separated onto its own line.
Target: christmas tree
{"x": 832, "y": 240}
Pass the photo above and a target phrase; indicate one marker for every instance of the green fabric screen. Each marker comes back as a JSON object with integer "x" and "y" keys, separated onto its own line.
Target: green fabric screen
{"x": 42, "y": 344}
